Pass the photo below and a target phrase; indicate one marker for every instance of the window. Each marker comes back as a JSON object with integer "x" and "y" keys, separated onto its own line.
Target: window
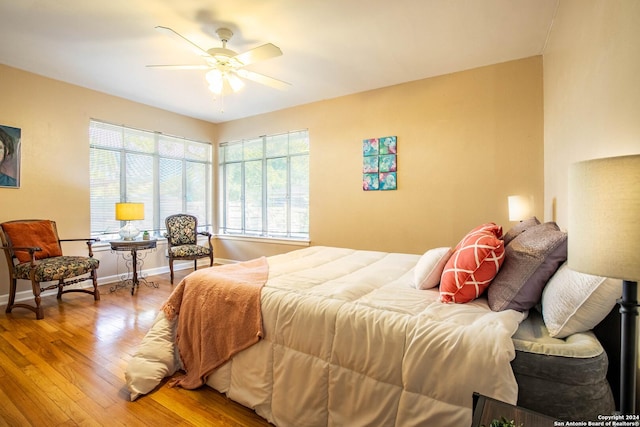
{"x": 264, "y": 186}
{"x": 168, "y": 174}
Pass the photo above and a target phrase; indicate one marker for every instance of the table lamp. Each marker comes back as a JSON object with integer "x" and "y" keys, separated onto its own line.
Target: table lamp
{"x": 604, "y": 240}
{"x": 129, "y": 212}
{"x": 520, "y": 207}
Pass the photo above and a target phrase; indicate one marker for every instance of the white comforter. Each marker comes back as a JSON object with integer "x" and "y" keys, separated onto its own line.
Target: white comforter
{"x": 349, "y": 341}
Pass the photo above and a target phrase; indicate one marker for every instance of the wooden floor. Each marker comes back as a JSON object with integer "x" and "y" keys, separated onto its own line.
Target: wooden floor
{"x": 68, "y": 369}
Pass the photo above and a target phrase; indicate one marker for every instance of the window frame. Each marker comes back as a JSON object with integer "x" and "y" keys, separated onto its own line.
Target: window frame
{"x": 242, "y": 232}
{"x": 160, "y": 143}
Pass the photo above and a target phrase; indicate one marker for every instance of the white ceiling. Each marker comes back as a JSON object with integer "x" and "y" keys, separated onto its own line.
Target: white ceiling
{"x": 330, "y": 47}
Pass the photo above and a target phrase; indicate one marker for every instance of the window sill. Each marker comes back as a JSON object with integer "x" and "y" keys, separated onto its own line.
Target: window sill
{"x": 258, "y": 239}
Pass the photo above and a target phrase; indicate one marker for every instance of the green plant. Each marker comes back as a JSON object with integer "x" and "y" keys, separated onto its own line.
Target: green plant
{"x": 503, "y": 422}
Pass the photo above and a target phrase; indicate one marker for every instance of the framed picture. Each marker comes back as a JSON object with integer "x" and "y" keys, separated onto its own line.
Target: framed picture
{"x": 379, "y": 163}
{"x": 370, "y": 147}
{"x": 388, "y": 181}
{"x": 370, "y": 181}
{"x": 9, "y": 157}
{"x": 370, "y": 164}
{"x": 387, "y": 163}
{"x": 387, "y": 145}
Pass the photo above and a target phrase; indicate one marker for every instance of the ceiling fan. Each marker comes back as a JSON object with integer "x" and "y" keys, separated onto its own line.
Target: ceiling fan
{"x": 225, "y": 65}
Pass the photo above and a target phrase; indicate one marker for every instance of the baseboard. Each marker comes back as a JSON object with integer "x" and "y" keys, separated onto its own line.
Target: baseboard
{"x": 105, "y": 280}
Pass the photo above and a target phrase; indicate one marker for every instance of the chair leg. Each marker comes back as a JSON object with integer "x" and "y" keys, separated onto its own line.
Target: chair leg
{"x": 12, "y": 295}
{"x": 195, "y": 264}
{"x": 211, "y": 260}
{"x": 171, "y": 268}
{"x": 36, "y": 296}
{"x": 11, "y": 304}
{"x": 96, "y": 292}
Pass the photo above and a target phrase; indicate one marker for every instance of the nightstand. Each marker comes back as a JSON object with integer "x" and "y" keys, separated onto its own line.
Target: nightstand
{"x": 486, "y": 409}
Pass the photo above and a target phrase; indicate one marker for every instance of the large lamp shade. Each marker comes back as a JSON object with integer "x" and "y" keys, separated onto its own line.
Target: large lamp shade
{"x": 604, "y": 217}
{"x": 604, "y": 240}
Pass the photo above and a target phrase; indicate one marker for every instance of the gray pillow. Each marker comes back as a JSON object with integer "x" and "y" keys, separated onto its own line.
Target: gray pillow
{"x": 531, "y": 258}
{"x": 519, "y": 228}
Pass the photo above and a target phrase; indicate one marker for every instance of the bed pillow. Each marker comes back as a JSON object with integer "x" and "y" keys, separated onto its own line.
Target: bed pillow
{"x": 531, "y": 259}
{"x": 519, "y": 228}
{"x": 576, "y": 302}
{"x": 473, "y": 265}
{"x": 428, "y": 270}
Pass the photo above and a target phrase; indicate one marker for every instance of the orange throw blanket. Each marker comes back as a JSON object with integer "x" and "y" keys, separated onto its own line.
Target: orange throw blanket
{"x": 219, "y": 316}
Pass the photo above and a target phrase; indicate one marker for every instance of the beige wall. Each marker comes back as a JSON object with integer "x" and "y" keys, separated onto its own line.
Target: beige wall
{"x": 591, "y": 92}
{"x": 54, "y": 118}
{"x": 465, "y": 142}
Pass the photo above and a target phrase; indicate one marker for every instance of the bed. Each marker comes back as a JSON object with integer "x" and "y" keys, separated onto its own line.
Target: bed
{"x": 355, "y": 337}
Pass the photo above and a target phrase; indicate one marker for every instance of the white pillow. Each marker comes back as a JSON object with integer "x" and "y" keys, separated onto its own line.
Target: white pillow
{"x": 428, "y": 270}
{"x": 576, "y": 302}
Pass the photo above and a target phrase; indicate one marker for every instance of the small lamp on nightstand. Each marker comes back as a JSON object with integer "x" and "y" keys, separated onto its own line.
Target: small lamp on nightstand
{"x": 604, "y": 240}
{"x": 520, "y": 207}
{"x": 129, "y": 212}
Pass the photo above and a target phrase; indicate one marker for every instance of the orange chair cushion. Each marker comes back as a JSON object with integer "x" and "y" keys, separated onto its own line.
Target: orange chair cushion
{"x": 37, "y": 233}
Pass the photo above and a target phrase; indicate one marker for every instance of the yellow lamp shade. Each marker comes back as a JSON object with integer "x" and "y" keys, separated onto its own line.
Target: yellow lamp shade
{"x": 129, "y": 211}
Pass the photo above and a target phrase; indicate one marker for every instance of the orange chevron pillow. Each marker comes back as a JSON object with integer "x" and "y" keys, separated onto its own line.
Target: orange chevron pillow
{"x": 473, "y": 265}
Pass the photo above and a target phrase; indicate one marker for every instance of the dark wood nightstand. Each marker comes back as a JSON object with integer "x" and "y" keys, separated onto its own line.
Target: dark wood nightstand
{"x": 486, "y": 409}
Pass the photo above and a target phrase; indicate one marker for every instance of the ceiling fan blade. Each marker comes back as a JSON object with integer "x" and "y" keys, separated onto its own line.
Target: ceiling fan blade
{"x": 182, "y": 67}
{"x": 185, "y": 42}
{"x": 262, "y": 79}
{"x": 259, "y": 53}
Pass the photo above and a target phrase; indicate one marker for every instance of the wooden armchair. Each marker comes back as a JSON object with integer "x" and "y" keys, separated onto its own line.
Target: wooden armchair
{"x": 33, "y": 252}
{"x": 182, "y": 241}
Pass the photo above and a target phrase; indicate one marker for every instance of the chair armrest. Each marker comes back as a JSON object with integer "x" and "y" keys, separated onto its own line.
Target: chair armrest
{"x": 31, "y": 249}
{"x": 208, "y": 235}
{"x": 89, "y": 241}
{"x": 23, "y": 248}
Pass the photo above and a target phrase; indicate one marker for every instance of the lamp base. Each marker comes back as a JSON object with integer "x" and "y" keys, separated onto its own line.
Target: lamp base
{"x": 129, "y": 232}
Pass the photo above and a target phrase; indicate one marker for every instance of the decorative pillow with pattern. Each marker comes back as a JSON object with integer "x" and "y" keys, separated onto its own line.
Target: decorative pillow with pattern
{"x": 519, "y": 228}
{"x": 473, "y": 265}
{"x": 531, "y": 259}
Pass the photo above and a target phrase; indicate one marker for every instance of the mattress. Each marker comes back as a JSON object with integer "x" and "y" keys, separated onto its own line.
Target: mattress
{"x": 349, "y": 341}
{"x": 563, "y": 378}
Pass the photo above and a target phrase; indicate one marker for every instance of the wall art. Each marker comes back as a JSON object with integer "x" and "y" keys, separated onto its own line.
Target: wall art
{"x": 9, "y": 157}
{"x": 380, "y": 163}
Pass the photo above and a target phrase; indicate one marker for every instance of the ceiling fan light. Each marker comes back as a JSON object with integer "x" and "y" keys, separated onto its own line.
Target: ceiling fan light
{"x": 235, "y": 82}
{"x": 214, "y": 77}
{"x": 217, "y": 89}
